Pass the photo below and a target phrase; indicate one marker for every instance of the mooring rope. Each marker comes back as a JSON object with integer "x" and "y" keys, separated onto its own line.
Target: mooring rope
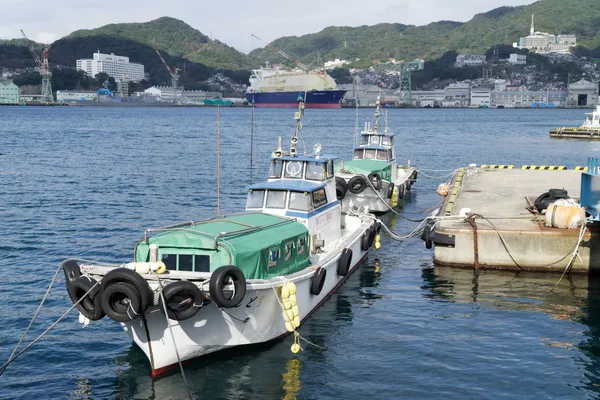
{"x": 164, "y": 307}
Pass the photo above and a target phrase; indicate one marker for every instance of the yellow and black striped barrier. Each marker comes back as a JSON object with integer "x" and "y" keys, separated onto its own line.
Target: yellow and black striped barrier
{"x": 581, "y": 169}
{"x": 498, "y": 166}
{"x": 545, "y": 168}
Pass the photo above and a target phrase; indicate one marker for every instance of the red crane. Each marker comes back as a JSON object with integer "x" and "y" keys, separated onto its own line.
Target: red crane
{"x": 174, "y": 72}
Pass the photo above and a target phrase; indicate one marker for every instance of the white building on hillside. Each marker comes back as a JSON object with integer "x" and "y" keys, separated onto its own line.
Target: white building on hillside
{"x": 463, "y": 60}
{"x": 518, "y": 59}
{"x": 114, "y": 66}
{"x": 337, "y": 63}
{"x": 542, "y": 42}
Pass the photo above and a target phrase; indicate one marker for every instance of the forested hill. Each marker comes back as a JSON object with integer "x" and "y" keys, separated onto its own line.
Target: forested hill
{"x": 503, "y": 25}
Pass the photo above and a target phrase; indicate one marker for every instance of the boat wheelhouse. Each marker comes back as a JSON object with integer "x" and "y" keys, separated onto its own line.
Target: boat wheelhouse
{"x": 372, "y": 180}
{"x": 204, "y": 286}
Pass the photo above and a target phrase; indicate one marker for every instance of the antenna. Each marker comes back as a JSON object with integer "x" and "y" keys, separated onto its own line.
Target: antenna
{"x": 252, "y": 143}
{"x": 218, "y": 160}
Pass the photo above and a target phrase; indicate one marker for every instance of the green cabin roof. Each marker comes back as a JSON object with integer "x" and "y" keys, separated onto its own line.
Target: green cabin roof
{"x": 247, "y": 241}
{"x": 365, "y": 167}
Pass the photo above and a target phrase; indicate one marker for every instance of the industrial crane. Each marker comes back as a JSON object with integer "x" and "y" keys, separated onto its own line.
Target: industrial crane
{"x": 174, "y": 72}
{"x": 405, "y": 70}
{"x": 285, "y": 55}
{"x": 43, "y": 67}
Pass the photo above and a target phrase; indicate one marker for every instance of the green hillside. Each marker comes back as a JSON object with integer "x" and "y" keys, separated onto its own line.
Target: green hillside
{"x": 176, "y": 38}
{"x": 503, "y": 25}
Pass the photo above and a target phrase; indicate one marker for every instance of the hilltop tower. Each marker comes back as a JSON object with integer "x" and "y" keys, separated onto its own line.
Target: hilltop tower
{"x": 532, "y": 31}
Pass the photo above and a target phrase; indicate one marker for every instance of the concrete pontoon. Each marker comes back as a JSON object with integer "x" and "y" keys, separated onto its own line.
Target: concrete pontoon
{"x": 510, "y": 233}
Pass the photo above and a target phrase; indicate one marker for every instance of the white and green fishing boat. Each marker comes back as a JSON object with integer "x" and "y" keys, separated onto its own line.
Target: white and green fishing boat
{"x": 203, "y": 286}
{"x": 372, "y": 181}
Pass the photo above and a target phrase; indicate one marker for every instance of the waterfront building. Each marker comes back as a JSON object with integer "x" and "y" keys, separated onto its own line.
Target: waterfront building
{"x": 113, "y": 65}
{"x": 74, "y": 95}
{"x": 337, "y": 63}
{"x": 424, "y": 98}
{"x": 457, "y": 95}
{"x": 9, "y": 92}
{"x": 481, "y": 97}
{"x": 518, "y": 59}
{"x": 583, "y": 93}
{"x": 528, "y": 99}
{"x": 463, "y": 60}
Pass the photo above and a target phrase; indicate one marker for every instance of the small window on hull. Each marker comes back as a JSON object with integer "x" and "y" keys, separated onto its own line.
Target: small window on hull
{"x": 170, "y": 261}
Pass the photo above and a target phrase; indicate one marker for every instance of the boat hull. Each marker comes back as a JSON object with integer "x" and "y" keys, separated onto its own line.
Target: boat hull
{"x": 313, "y": 99}
{"x": 258, "y": 318}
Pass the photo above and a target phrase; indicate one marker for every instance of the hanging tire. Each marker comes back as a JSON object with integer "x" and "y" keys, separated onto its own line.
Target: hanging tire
{"x": 372, "y": 236}
{"x": 375, "y": 180}
{"x": 91, "y": 305}
{"x": 344, "y": 262}
{"x": 428, "y": 244}
{"x": 134, "y": 279}
{"x": 357, "y": 184}
{"x": 341, "y": 188}
{"x": 365, "y": 243}
{"x": 121, "y": 301}
{"x": 183, "y": 300}
{"x": 390, "y": 191}
{"x": 71, "y": 270}
{"x": 318, "y": 280}
{"x": 401, "y": 190}
{"x": 219, "y": 279}
{"x": 408, "y": 185}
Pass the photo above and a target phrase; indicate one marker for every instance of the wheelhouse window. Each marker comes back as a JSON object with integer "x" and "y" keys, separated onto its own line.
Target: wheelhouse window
{"x": 187, "y": 262}
{"x": 387, "y": 141}
{"x": 383, "y": 155}
{"x": 276, "y": 169}
{"x": 300, "y": 201}
{"x": 276, "y": 199}
{"x": 301, "y": 245}
{"x": 330, "y": 169}
{"x": 293, "y": 169}
{"x": 315, "y": 171}
{"x": 375, "y": 140}
{"x": 319, "y": 198}
{"x": 255, "y": 199}
{"x": 370, "y": 154}
{"x": 358, "y": 154}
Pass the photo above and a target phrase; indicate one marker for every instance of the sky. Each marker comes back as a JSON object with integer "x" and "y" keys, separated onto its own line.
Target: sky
{"x": 231, "y": 21}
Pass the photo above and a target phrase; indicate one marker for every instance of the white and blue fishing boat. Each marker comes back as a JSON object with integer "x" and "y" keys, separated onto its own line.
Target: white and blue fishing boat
{"x": 372, "y": 181}
{"x": 203, "y": 286}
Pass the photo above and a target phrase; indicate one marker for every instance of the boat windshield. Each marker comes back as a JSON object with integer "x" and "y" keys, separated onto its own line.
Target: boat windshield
{"x": 255, "y": 199}
{"x": 358, "y": 154}
{"x": 276, "y": 169}
{"x": 315, "y": 171}
{"x": 383, "y": 155}
{"x": 387, "y": 141}
{"x": 300, "y": 201}
{"x": 293, "y": 169}
{"x": 370, "y": 154}
{"x": 276, "y": 199}
{"x": 319, "y": 198}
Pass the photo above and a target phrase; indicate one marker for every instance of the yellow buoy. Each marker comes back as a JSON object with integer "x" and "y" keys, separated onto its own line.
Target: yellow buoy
{"x": 286, "y": 304}
{"x": 162, "y": 268}
{"x": 290, "y": 314}
{"x": 295, "y": 348}
{"x": 292, "y": 288}
{"x": 377, "y": 241}
{"x": 292, "y": 300}
{"x": 285, "y": 292}
{"x": 395, "y": 196}
{"x": 289, "y": 327}
{"x": 295, "y": 311}
{"x": 296, "y": 321}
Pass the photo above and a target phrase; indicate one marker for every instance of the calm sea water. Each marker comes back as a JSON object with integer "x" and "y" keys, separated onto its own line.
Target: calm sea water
{"x": 85, "y": 182}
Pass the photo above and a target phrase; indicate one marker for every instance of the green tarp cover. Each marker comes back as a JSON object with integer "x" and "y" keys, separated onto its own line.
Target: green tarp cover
{"x": 365, "y": 167}
{"x": 247, "y": 248}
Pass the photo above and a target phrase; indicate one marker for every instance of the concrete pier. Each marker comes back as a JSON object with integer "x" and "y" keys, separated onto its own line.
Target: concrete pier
{"x": 504, "y": 197}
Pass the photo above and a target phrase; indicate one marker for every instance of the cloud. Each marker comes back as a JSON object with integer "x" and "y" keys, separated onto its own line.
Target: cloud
{"x": 233, "y": 23}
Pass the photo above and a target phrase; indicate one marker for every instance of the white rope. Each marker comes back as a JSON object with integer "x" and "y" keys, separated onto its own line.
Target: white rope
{"x": 164, "y": 306}
{"x": 37, "y": 339}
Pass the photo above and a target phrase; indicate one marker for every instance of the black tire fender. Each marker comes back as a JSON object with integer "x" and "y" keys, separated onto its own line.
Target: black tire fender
{"x": 365, "y": 242}
{"x": 91, "y": 305}
{"x": 344, "y": 262}
{"x": 121, "y": 301}
{"x": 357, "y": 184}
{"x": 390, "y": 191}
{"x": 341, "y": 187}
{"x": 428, "y": 244}
{"x": 375, "y": 180}
{"x": 71, "y": 270}
{"x": 218, "y": 281}
{"x": 318, "y": 280}
{"x": 401, "y": 191}
{"x": 135, "y": 280}
{"x": 183, "y": 300}
{"x": 408, "y": 185}
{"x": 372, "y": 236}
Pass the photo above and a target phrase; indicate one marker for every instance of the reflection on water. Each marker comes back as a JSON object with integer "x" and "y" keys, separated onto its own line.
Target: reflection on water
{"x": 291, "y": 379}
